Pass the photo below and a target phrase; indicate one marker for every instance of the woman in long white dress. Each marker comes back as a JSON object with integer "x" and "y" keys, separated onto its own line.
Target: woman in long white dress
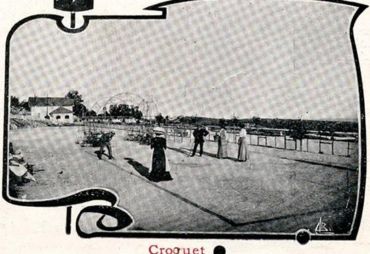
{"x": 222, "y": 143}
{"x": 242, "y": 151}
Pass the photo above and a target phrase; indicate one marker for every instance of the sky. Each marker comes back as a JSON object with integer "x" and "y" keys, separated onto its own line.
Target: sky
{"x": 219, "y": 58}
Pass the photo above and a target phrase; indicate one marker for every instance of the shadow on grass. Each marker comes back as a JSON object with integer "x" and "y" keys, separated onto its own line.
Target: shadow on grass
{"x": 144, "y": 171}
{"x": 188, "y": 153}
{"x": 97, "y": 152}
{"x": 140, "y": 168}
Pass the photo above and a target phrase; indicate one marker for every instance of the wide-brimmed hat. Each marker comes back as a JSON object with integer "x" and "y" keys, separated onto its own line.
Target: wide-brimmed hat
{"x": 159, "y": 130}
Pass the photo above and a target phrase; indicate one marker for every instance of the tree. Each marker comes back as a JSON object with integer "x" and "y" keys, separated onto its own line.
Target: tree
{"x": 235, "y": 121}
{"x": 193, "y": 120}
{"x": 78, "y": 108}
{"x": 321, "y": 128}
{"x": 137, "y": 114}
{"x": 14, "y": 101}
{"x": 90, "y": 113}
{"x": 73, "y": 94}
{"x": 256, "y": 120}
{"x": 298, "y": 131}
{"x": 125, "y": 111}
{"x": 19, "y": 105}
{"x": 25, "y": 105}
{"x": 159, "y": 119}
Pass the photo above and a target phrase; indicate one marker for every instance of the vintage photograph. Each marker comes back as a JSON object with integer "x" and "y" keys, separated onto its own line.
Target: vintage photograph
{"x": 226, "y": 116}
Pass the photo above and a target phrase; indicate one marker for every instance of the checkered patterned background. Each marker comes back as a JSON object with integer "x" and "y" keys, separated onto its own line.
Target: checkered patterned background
{"x": 267, "y": 58}
{"x": 215, "y": 58}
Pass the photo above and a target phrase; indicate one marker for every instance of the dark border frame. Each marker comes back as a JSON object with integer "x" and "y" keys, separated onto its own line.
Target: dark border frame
{"x": 86, "y": 195}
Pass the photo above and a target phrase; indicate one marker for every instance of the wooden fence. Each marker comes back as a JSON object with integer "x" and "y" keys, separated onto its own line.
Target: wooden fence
{"x": 323, "y": 145}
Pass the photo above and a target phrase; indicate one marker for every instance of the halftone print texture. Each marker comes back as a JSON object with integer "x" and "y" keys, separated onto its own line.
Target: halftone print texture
{"x": 276, "y": 59}
{"x": 218, "y": 59}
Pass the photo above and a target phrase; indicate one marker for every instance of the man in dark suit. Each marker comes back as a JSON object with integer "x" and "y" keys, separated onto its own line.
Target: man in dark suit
{"x": 104, "y": 141}
{"x": 199, "y": 134}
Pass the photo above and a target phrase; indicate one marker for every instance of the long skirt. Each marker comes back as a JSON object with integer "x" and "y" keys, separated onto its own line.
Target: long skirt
{"x": 242, "y": 151}
{"x": 160, "y": 168}
{"x": 222, "y": 149}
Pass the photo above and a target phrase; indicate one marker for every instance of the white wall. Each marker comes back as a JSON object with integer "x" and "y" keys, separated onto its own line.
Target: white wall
{"x": 62, "y": 118}
{"x": 40, "y": 112}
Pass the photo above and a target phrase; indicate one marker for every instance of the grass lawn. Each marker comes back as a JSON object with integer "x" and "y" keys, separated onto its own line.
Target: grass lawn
{"x": 274, "y": 191}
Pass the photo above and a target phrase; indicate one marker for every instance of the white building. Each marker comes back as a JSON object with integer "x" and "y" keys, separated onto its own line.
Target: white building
{"x": 61, "y": 115}
{"x": 57, "y": 109}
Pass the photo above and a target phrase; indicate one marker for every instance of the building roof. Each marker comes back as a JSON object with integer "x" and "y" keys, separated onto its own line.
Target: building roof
{"x": 61, "y": 110}
{"x": 49, "y": 101}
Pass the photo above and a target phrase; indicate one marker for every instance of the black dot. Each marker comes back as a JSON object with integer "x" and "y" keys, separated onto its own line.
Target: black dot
{"x": 219, "y": 250}
{"x": 303, "y": 237}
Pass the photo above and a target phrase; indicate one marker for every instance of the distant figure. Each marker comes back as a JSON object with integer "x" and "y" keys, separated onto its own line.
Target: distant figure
{"x": 199, "y": 134}
{"x": 11, "y": 148}
{"x": 222, "y": 143}
{"x": 104, "y": 141}
{"x": 242, "y": 151}
{"x": 160, "y": 170}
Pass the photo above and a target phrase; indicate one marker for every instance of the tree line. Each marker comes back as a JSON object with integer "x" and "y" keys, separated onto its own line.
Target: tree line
{"x": 298, "y": 127}
{"x": 313, "y": 125}
{"x": 80, "y": 110}
{"x": 17, "y": 104}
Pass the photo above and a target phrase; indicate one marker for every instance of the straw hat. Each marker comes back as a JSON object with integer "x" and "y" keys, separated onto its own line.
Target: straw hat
{"x": 159, "y": 130}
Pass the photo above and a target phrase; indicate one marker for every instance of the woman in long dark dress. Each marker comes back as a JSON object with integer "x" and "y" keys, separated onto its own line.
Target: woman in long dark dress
{"x": 160, "y": 170}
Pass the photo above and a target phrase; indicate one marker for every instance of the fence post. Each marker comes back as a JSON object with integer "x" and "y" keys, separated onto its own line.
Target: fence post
{"x": 348, "y": 148}
{"x": 307, "y": 144}
{"x": 190, "y": 136}
{"x": 284, "y": 141}
{"x": 332, "y": 147}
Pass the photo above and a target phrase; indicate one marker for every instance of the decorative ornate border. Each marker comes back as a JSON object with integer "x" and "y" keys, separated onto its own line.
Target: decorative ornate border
{"x": 123, "y": 217}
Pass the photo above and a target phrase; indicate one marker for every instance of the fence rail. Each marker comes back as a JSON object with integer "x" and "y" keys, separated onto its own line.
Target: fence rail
{"x": 322, "y": 145}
